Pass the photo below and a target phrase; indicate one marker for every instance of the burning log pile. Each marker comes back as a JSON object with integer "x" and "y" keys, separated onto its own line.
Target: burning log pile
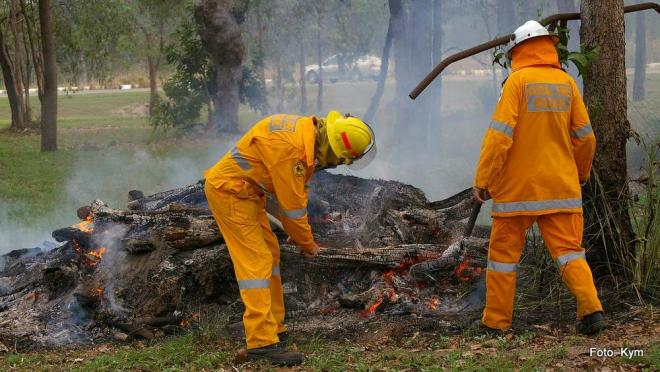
{"x": 148, "y": 270}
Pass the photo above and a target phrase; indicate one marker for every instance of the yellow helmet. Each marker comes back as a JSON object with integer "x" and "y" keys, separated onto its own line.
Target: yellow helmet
{"x": 350, "y": 138}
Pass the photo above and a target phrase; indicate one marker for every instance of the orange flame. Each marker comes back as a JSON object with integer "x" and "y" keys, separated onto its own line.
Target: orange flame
{"x": 433, "y": 303}
{"x": 87, "y": 225}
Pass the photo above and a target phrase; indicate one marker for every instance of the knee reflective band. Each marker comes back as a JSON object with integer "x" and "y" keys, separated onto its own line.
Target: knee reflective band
{"x": 253, "y": 283}
{"x": 239, "y": 159}
{"x": 566, "y": 258}
{"x": 501, "y": 267}
{"x": 295, "y": 213}
{"x": 276, "y": 270}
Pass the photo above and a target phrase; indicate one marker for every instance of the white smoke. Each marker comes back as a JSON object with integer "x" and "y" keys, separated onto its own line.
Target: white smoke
{"x": 107, "y": 174}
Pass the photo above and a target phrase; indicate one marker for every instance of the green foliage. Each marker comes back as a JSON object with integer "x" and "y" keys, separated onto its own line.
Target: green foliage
{"x": 645, "y": 266}
{"x": 94, "y": 38}
{"x": 193, "y": 83}
{"x": 580, "y": 59}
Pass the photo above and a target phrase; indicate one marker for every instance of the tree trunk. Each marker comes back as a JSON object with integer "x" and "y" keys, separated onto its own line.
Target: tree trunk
{"x": 35, "y": 50}
{"x": 49, "y": 102}
{"x": 18, "y": 64}
{"x": 421, "y": 52}
{"x": 303, "y": 82}
{"x": 382, "y": 77}
{"x": 506, "y": 17}
{"x": 319, "y": 59}
{"x": 153, "y": 83}
{"x": 399, "y": 41}
{"x": 15, "y": 95}
{"x": 279, "y": 85}
{"x": 607, "y": 218}
{"x": 220, "y": 31}
{"x": 433, "y": 131}
{"x": 640, "y": 57}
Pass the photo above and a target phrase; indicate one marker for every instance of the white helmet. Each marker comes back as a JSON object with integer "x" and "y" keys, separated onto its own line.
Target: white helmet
{"x": 529, "y": 30}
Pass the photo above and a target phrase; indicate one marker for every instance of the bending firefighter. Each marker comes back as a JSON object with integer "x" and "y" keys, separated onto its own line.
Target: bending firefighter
{"x": 535, "y": 154}
{"x": 269, "y": 168}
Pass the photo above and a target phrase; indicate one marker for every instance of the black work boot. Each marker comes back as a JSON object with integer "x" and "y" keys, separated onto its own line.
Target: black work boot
{"x": 275, "y": 355}
{"x": 284, "y": 339}
{"x": 481, "y": 329}
{"x": 592, "y": 323}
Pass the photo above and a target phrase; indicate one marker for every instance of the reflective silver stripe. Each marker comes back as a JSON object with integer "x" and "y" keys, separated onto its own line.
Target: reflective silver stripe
{"x": 295, "y": 213}
{"x": 546, "y": 97}
{"x": 531, "y": 206}
{"x": 276, "y": 270}
{"x": 501, "y": 127}
{"x": 582, "y": 132}
{"x": 239, "y": 159}
{"x": 568, "y": 257}
{"x": 501, "y": 267}
{"x": 253, "y": 283}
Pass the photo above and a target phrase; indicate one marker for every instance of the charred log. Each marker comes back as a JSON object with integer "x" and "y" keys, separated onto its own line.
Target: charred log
{"x": 139, "y": 269}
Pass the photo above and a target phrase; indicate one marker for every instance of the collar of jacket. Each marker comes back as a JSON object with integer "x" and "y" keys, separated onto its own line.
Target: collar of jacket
{"x": 309, "y": 137}
{"x": 535, "y": 52}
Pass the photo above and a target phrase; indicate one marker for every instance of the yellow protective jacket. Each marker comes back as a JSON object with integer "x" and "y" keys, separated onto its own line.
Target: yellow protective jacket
{"x": 276, "y": 158}
{"x": 539, "y": 146}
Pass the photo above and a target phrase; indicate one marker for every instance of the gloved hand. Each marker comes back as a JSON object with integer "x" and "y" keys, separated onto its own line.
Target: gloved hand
{"x": 311, "y": 253}
{"x": 480, "y": 195}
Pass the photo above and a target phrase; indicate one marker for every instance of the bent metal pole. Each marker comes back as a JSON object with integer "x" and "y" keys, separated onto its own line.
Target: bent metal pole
{"x": 551, "y": 20}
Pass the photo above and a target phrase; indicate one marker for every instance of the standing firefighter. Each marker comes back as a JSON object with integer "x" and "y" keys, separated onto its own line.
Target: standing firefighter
{"x": 535, "y": 154}
{"x": 269, "y": 168}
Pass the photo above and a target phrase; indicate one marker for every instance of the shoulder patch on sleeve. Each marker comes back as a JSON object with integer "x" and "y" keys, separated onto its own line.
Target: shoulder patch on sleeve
{"x": 299, "y": 169}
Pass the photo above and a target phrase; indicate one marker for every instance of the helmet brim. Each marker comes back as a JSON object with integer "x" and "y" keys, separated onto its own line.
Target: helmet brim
{"x": 331, "y": 130}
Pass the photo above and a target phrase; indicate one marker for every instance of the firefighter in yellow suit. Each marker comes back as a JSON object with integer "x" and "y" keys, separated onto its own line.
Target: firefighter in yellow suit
{"x": 269, "y": 168}
{"x": 535, "y": 154}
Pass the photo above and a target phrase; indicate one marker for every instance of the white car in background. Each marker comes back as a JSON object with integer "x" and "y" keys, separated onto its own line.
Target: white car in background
{"x": 366, "y": 67}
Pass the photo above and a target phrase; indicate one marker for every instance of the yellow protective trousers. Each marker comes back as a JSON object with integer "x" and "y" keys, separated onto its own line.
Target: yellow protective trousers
{"x": 255, "y": 253}
{"x": 562, "y": 233}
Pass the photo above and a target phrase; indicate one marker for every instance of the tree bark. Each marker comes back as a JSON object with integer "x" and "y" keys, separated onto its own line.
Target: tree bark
{"x": 640, "y": 57}
{"x": 220, "y": 30}
{"x": 421, "y": 52}
{"x": 608, "y": 221}
{"x": 303, "y": 82}
{"x": 433, "y": 131}
{"x": 399, "y": 41}
{"x": 506, "y": 20}
{"x": 34, "y": 44}
{"x": 319, "y": 59}
{"x": 15, "y": 95}
{"x": 153, "y": 83}
{"x": 382, "y": 77}
{"x": 49, "y": 102}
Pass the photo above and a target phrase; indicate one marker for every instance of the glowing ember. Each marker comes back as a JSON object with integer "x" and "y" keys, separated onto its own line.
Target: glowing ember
{"x": 464, "y": 272}
{"x": 370, "y": 310}
{"x": 433, "y": 303}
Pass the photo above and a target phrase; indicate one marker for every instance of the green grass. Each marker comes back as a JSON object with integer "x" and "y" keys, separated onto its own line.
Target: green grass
{"x": 195, "y": 351}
